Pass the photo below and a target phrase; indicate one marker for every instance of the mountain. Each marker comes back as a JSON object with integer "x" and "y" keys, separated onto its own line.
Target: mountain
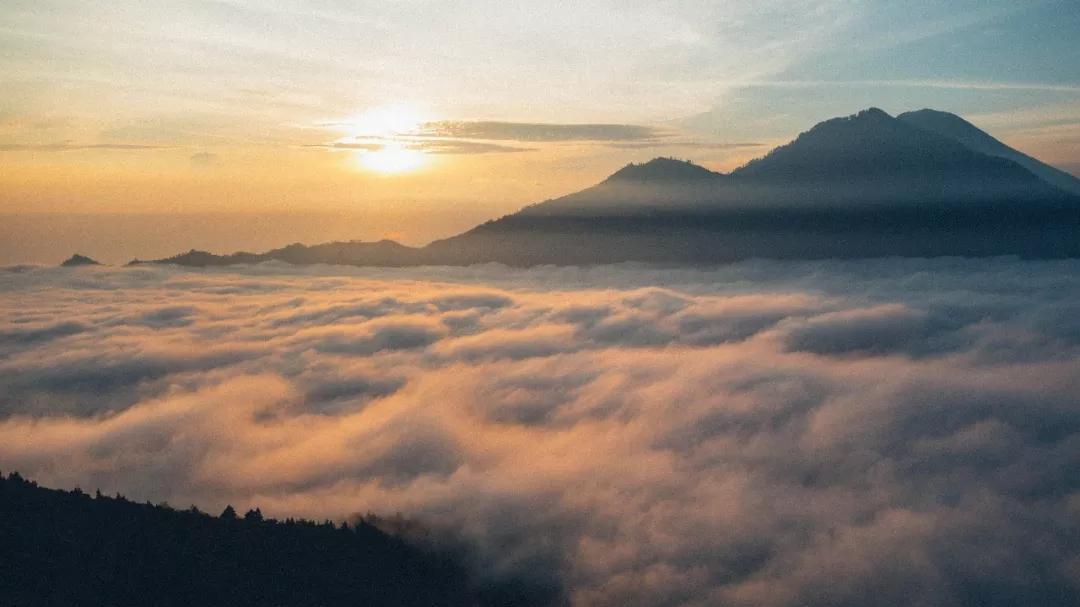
{"x": 659, "y": 185}
{"x": 68, "y": 548}
{"x": 382, "y": 253}
{"x": 958, "y": 129}
{"x": 78, "y": 260}
{"x": 866, "y": 185}
{"x": 872, "y": 158}
{"x": 662, "y": 170}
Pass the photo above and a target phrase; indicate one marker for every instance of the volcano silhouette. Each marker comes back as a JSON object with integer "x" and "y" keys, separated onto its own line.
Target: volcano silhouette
{"x": 924, "y": 184}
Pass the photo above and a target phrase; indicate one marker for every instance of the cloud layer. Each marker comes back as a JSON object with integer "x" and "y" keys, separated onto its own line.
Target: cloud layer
{"x": 540, "y": 132}
{"x": 888, "y": 432}
{"x": 67, "y": 147}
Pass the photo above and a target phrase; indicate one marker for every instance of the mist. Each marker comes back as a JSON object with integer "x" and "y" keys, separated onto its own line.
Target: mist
{"x": 117, "y": 238}
{"x": 764, "y": 433}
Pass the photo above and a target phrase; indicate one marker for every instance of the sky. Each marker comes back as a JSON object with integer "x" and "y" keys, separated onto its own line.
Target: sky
{"x": 764, "y": 433}
{"x": 416, "y": 119}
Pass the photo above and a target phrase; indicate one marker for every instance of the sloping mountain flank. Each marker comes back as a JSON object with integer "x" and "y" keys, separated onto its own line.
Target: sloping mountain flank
{"x": 69, "y": 548}
{"x": 958, "y": 129}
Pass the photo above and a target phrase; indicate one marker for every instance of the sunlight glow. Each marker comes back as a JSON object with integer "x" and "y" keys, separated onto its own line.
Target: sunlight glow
{"x": 385, "y": 121}
{"x": 392, "y": 158}
{"x": 382, "y": 125}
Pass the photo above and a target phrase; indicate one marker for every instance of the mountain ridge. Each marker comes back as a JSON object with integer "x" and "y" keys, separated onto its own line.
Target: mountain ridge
{"x": 864, "y": 185}
{"x": 955, "y": 127}
{"x": 662, "y": 169}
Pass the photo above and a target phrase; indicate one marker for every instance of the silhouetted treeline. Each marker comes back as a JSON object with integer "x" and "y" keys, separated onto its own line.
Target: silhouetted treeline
{"x": 67, "y": 548}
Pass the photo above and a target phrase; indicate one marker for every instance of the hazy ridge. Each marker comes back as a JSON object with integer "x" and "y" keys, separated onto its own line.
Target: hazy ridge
{"x": 926, "y": 184}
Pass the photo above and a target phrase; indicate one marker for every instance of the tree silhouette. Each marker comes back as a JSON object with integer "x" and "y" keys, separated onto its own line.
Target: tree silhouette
{"x": 69, "y": 548}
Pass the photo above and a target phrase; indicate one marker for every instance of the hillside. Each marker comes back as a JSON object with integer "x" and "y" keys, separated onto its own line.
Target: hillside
{"x": 70, "y": 549}
{"x": 958, "y": 129}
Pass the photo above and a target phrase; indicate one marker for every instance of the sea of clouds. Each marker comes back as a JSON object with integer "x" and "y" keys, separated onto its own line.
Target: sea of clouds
{"x": 891, "y": 432}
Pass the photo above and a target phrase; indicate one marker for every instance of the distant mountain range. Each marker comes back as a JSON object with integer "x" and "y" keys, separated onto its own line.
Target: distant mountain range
{"x": 922, "y": 184}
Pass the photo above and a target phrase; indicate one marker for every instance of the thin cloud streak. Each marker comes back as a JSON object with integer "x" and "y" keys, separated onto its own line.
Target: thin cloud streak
{"x": 461, "y": 146}
{"x": 539, "y": 132}
{"x": 929, "y": 83}
{"x": 702, "y": 145}
{"x": 67, "y": 147}
{"x": 429, "y": 146}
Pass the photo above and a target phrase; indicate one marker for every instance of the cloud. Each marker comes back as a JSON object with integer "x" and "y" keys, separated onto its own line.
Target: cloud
{"x": 765, "y": 433}
{"x": 85, "y": 382}
{"x": 22, "y": 336}
{"x": 205, "y": 160}
{"x": 472, "y": 300}
{"x": 970, "y": 85}
{"x": 169, "y": 316}
{"x": 345, "y": 145}
{"x": 884, "y": 329}
{"x": 461, "y": 146}
{"x": 67, "y": 147}
{"x": 483, "y": 137}
{"x": 539, "y": 132}
{"x": 335, "y": 394}
{"x": 430, "y": 146}
{"x": 513, "y": 344}
{"x": 672, "y": 143}
{"x": 379, "y": 336}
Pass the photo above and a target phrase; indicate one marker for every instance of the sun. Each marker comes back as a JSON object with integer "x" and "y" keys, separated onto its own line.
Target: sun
{"x": 392, "y": 158}
{"x": 385, "y": 121}
{"x": 386, "y": 130}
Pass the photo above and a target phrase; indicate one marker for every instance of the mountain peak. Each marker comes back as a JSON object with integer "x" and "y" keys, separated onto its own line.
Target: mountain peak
{"x": 951, "y": 126}
{"x": 870, "y": 118}
{"x": 662, "y": 169}
{"x": 872, "y": 113}
{"x": 931, "y": 113}
{"x": 864, "y": 146}
{"x": 78, "y": 260}
{"x": 956, "y": 128}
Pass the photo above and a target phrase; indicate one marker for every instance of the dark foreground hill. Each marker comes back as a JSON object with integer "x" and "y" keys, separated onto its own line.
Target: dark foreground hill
{"x": 70, "y": 549}
{"x": 927, "y": 184}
